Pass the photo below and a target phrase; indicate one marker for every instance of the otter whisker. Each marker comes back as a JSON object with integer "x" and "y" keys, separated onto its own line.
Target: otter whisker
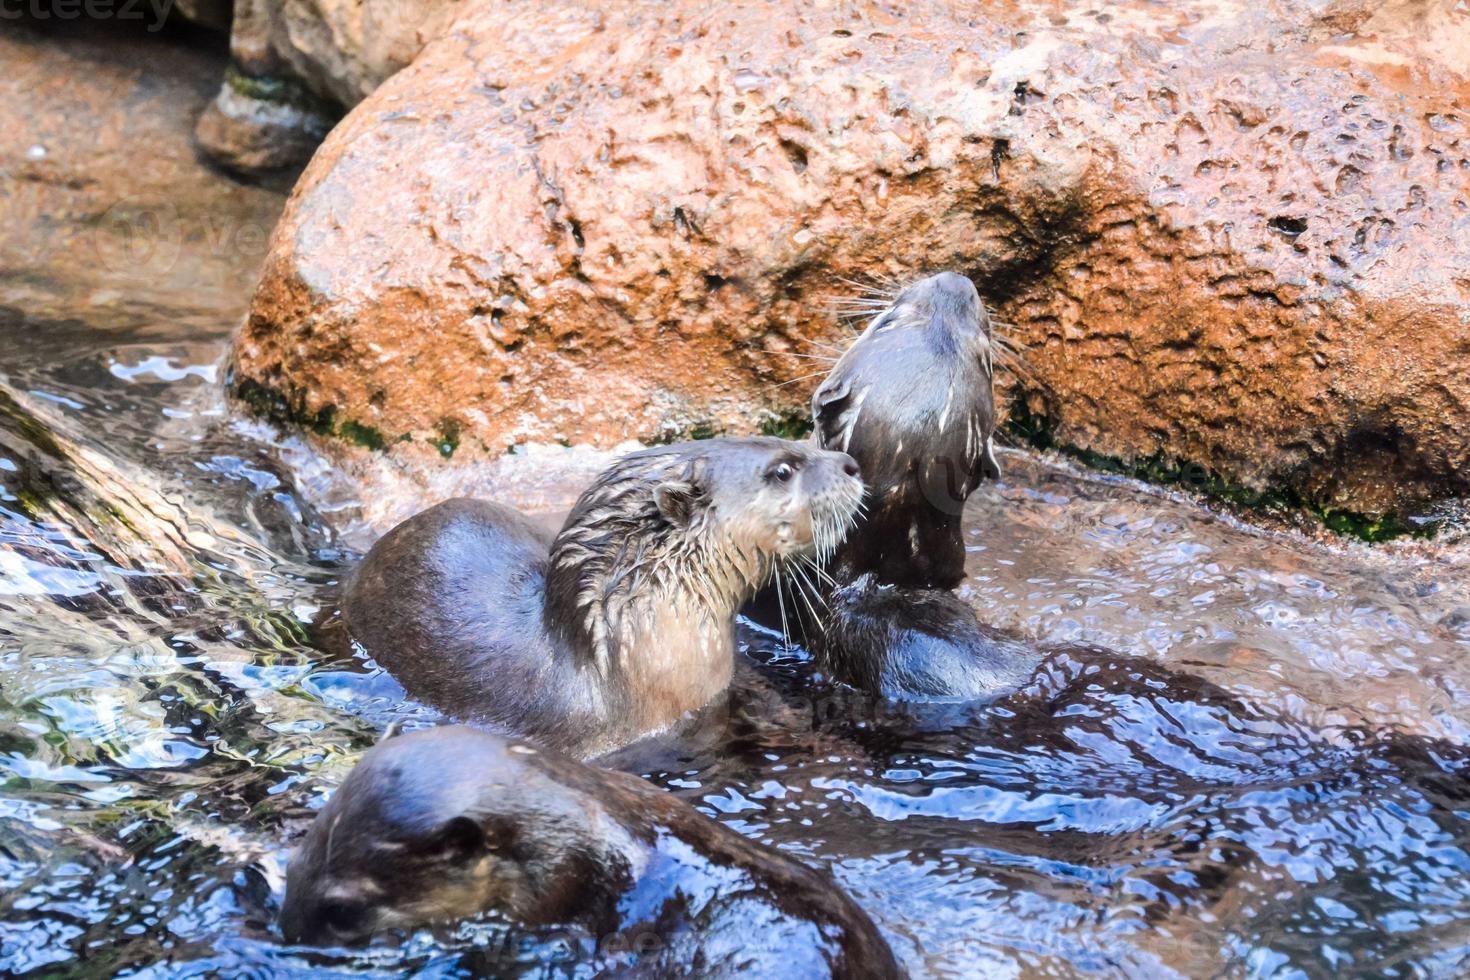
{"x": 816, "y": 576}
{"x": 804, "y": 377}
{"x": 822, "y": 575}
{"x": 848, "y": 319}
{"x": 800, "y": 579}
{"x": 855, "y": 312}
{"x": 832, "y": 357}
{"x": 868, "y": 287}
{"x": 870, "y": 295}
{"x": 850, "y": 307}
{"x": 1018, "y": 368}
{"x": 893, "y": 283}
{"x": 839, "y": 351}
{"x": 781, "y": 604}
{"x": 1005, "y": 354}
{"x": 855, "y": 304}
{"x": 826, "y": 358}
{"x": 1005, "y": 360}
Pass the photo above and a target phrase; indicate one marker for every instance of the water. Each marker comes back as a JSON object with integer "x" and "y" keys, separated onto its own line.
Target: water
{"x": 1250, "y": 761}
{"x": 1266, "y": 776}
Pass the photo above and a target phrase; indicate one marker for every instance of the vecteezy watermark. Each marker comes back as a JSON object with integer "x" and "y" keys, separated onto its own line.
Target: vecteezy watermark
{"x": 138, "y": 240}
{"x": 158, "y": 10}
{"x": 142, "y": 240}
{"x": 947, "y": 483}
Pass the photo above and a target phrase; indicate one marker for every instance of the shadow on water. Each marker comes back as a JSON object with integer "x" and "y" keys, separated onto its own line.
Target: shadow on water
{"x": 169, "y": 721}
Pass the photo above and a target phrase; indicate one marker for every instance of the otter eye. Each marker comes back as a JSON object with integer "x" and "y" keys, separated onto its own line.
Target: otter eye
{"x": 344, "y": 918}
{"x": 781, "y": 472}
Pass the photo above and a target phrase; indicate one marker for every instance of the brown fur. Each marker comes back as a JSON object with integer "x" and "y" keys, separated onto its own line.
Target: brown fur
{"x": 912, "y": 400}
{"x": 446, "y": 824}
{"x": 621, "y": 624}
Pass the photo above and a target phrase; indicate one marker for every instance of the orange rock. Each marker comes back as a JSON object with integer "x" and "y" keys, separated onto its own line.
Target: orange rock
{"x": 1233, "y": 234}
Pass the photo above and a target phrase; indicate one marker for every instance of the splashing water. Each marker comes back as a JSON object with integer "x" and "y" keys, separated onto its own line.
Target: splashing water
{"x": 1255, "y": 766}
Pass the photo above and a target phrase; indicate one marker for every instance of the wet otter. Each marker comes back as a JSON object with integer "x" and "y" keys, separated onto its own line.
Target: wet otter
{"x": 621, "y": 623}
{"x": 452, "y": 822}
{"x": 907, "y": 643}
{"x": 912, "y": 401}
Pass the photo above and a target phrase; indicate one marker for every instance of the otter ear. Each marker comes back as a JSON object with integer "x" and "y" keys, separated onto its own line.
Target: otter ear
{"x": 677, "y": 501}
{"x": 455, "y": 840}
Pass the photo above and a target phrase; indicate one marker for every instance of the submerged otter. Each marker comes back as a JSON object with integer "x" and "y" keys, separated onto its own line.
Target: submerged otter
{"x": 449, "y": 823}
{"x": 911, "y": 400}
{"x": 621, "y": 623}
{"x": 906, "y": 643}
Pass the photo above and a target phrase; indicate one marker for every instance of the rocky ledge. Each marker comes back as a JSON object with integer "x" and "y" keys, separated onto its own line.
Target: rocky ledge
{"x": 1234, "y": 237}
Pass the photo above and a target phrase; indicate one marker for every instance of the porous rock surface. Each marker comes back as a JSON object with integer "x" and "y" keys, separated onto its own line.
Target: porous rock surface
{"x": 1234, "y": 235}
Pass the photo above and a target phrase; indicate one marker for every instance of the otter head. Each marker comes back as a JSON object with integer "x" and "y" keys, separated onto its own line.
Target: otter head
{"x": 697, "y": 526}
{"x": 445, "y": 824}
{"x": 946, "y": 305}
{"x": 938, "y": 326}
{"x": 770, "y": 499}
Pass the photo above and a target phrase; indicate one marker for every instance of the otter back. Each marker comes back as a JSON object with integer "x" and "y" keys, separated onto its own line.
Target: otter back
{"x": 450, "y": 603}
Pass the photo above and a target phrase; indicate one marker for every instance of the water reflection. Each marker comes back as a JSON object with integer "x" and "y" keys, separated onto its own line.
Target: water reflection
{"x": 1266, "y": 777}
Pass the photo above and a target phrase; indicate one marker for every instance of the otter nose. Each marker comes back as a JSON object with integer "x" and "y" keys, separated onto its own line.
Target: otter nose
{"x": 955, "y": 285}
{"x": 849, "y": 465}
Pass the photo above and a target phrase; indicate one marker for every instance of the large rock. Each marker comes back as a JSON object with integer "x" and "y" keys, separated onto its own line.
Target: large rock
{"x": 1233, "y": 235}
{"x": 296, "y": 64}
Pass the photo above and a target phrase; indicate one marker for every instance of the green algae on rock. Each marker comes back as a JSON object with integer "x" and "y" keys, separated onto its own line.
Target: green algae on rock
{"x": 1039, "y": 431}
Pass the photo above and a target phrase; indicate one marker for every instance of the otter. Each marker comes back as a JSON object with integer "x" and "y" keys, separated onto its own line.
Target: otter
{"x": 912, "y": 401}
{"x": 449, "y": 823}
{"x": 621, "y": 623}
{"x": 906, "y": 643}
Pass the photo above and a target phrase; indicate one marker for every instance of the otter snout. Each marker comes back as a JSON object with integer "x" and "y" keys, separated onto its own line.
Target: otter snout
{"x": 834, "y": 484}
{"x": 832, "y": 472}
{"x": 953, "y": 285}
{"x": 953, "y": 301}
{"x": 946, "y": 304}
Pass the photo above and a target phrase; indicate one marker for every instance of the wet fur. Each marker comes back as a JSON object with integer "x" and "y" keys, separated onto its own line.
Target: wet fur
{"x": 446, "y": 824}
{"x": 912, "y": 401}
{"x": 907, "y": 643}
{"x": 451, "y": 600}
{"x": 617, "y": 626}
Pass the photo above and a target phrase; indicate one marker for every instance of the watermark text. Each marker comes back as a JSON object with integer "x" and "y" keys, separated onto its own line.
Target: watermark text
{"x": 153, "y": 11}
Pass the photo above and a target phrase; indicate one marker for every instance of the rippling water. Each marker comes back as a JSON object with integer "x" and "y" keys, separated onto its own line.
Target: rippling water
{"x": 1251, "y": 761}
